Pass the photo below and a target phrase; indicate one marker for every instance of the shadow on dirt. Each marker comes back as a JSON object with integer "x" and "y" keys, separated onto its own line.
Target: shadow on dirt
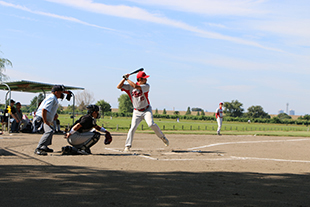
{"x": 77, "y": 186}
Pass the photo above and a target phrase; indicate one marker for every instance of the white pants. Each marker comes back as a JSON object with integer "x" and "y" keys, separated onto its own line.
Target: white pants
{"x": 137, "y": 117}
{"x": 219, "y": 124}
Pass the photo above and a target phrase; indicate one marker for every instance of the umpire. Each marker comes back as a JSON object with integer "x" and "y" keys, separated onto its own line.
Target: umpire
{"x": 82, "y": 135}
{"x": 47, "y": 111}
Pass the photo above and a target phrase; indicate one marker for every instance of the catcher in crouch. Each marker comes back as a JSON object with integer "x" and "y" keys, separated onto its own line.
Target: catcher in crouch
{"x": 82, "y": 135}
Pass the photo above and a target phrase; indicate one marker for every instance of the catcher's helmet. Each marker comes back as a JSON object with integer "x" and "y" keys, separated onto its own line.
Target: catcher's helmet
{"x": 91, "y": 108}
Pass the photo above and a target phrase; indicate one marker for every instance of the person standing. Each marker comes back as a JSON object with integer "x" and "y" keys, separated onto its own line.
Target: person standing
{"x": 47, "y": 112}
{"x": 219, "y": 118}
{"x": 139, "y": 96}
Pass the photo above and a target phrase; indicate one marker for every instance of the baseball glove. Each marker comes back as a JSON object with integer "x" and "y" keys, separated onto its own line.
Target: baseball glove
{"x": 108, "y": 138}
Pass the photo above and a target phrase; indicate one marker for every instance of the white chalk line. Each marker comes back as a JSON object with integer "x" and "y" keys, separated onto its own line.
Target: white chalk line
{"x": 210, "y": 159}
{"x": 248, "y": 142}
{"x": 270, "y": 159}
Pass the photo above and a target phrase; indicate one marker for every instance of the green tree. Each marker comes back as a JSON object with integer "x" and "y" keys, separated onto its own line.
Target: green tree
{"x": 69, "y": 109}
{"x": 176, "y": 112}
{"x": 283, "y": 116}
{"x": 124, "y": 104}
{"x": 35, "y": 102}
{"x": 60, "y": 109}
{"x": 202, "y": 113}
{"x": 197, "y": 109}
{"x": 198, "y": 114}
{"x": 156, "y": 111}
{"x": 3, "y": 63}
{"x": 305, "y": 117}
{"x": 188, "y": 112}
{"x": 233, "y": 108}
{"x": 164, "y": 111}
{"x": 257, "y": 112}
{"x": 104, "y": 106}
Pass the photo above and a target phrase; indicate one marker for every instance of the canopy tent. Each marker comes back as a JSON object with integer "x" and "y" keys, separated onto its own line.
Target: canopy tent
{"x": 32, "y": 87}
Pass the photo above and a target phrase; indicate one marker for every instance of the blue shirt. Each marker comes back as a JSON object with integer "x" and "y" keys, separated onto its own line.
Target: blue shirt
{"x": 50, "y": 104}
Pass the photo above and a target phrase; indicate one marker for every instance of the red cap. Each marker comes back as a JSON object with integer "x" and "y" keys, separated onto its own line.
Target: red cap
{"x": 221, "y": 103}
{"x": 142, "y": 74}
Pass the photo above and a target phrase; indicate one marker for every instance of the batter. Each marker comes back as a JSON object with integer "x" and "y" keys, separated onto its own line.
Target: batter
{"x": 139, "y": 96}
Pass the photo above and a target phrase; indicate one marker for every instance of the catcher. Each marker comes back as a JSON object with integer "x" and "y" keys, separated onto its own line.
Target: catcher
{"x": 82, "y": 135}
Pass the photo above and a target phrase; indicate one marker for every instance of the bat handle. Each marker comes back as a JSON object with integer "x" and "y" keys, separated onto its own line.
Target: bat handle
{"x": 125, "y": 77}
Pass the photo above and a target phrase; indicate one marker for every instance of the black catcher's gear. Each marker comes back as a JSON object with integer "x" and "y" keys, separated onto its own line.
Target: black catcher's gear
{"x": 108, "y": 138}
{"x": 91, "y": 108}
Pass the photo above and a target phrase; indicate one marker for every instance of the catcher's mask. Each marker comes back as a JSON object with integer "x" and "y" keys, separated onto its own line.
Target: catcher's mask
{"x": 91, "y": 108}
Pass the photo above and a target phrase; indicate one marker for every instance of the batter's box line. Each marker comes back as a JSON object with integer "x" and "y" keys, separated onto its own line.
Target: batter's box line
{"x": 248, "y": 142}
{"x": 212, "y": 159}
{"x": 132, "y": 154}
{"x": 173, "y": 159}
{"x": 269, "y": 159}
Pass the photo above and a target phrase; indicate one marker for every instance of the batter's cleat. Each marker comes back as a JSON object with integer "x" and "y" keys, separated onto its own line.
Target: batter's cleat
{"x": 83, "y": 152}
{"x": 88, "y": 151}
{"x": 127, "y": 149}
{"x": 165, "y": 140}
{"x": 218, "y": 133}
{"x": 40, "y": 152}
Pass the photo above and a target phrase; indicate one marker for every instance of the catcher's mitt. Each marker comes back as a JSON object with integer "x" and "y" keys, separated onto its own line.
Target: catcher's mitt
{"x": 108, "y": 138}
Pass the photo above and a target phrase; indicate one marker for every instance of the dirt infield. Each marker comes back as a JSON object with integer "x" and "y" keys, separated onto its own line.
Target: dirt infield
{"x": 195, "y": 170}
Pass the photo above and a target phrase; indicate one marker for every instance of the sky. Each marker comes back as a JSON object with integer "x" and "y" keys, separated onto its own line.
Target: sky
{"x": 198, "y": 53}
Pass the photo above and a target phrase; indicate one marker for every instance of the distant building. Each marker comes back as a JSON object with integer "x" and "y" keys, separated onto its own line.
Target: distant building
{"x": 280, "y": 111}
{"x": 291, "y": 112}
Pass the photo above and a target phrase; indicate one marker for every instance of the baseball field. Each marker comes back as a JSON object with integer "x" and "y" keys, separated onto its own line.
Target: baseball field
{"x": 195, "y": 170}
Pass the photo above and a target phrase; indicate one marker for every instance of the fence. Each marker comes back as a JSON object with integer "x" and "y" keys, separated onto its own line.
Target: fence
{"x": 211, "y": 128}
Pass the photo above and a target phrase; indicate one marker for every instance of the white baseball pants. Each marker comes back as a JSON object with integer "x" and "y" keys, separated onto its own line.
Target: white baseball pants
{"x": 137, "y": 117}
{"x": 219, "y": 124}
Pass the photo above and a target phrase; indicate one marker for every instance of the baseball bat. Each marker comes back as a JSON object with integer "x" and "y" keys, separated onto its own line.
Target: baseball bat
{"x": 136, "y": 71}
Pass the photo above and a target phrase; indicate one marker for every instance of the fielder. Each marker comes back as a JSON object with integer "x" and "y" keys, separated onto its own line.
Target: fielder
{"x": 219, "y": 118}
{"x": 139, "y": 96}
{"x": 82, "y": 135}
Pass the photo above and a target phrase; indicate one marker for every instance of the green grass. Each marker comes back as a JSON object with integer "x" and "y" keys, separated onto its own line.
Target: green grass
{"x": 169, "y": 126}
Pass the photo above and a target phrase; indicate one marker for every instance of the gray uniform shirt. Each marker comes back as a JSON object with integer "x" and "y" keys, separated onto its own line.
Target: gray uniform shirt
{"x": 139, "y": 98}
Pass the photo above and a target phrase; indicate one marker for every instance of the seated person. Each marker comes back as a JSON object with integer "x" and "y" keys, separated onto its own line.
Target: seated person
{"x": 82, "y": 135}
{"x": 11, "y": 110}
{"x": 18, "y": 120}
{"x": 56, "y": 124}
{"x": 37, "y": 122}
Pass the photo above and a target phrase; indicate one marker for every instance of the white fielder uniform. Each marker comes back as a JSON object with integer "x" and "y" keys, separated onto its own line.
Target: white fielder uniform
{"x": 142, "y": 110}
{"x": 219, "y": 118}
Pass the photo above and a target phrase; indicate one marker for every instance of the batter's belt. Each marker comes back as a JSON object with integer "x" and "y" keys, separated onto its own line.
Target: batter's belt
{"x": 143, "y": 109}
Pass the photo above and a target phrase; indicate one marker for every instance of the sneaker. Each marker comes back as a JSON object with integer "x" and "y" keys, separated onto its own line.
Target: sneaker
{"x": 127, "y": 149}
{"x": 165, "y": 140}
{"x": 218, "y": 133}
{"x": 39, "y": 152}
{"x": 46, "y": 149}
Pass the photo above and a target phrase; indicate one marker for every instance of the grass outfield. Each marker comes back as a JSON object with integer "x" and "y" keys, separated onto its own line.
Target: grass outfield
{"x": 169, "y": 126}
